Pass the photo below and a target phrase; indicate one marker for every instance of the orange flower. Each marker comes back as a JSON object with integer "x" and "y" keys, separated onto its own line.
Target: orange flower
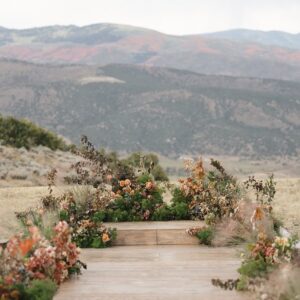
{"x": 25, "y": 246}
{"x": 257, "y": 215}
{"x": 122, "y": 183}
{"x": 149, "y": 185}
{"x": 105, "y": 237}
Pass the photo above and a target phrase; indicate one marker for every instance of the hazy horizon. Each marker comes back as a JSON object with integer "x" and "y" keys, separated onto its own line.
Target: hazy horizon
{"x": 175, "y": 17}
{"x": 149, "y": 28}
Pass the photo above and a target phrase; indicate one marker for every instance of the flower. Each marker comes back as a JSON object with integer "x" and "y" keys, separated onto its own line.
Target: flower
{"x": 122, "y": 183}
{"x": 105, "y": 238}
{"x": 127, "y": 182}
{"x": 257, "y": 215}
{"x": 270, "y": 251}
{"x": 25, "y": 246}
{"x": 281, "y": 241}
{"x": 149, "y": 185}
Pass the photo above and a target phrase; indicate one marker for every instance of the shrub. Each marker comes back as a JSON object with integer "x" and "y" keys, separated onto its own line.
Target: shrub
{"x": 210, "y": 196}
{"x": 89, "y": 234}
{"x": 264, "y": 190}
{"x": 147, "y": 162}
{"x": 163, "y": 213}
{"x": 134, "y": 201}
{"x": 35, "y": 290}
{"x": 205, "y": 235}
{"x": 252, "y": 268}
{"x": 180, "y": 211}
{"x": 31, "y": 265}
{"x": 86, "y": 221}
{"x": 41, "y": 290}
{"x": 22, "y": 133}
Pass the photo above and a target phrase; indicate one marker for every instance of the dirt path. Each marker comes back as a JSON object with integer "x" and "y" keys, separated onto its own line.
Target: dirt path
{"x": 153, "y": 272}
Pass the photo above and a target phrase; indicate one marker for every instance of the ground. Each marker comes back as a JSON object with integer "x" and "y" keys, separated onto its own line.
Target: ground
{"x": 286, "y": 204}
{"x": 153, "y": 272}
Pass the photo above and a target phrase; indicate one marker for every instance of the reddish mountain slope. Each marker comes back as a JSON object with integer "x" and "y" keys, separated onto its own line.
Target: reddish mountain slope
{"x": 108, "y": 43}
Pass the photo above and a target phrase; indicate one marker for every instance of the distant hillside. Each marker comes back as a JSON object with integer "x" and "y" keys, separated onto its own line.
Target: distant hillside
{"x": 271, "y": 38}
{"x": 235, "y": 53}
{"x": 168, "y": 111}
{"x": 22, "y": 167}
{"x": 25, "y": 134}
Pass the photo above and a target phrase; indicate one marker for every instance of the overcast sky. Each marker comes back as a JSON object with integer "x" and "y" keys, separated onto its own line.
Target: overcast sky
{"x": 168, "y": 16}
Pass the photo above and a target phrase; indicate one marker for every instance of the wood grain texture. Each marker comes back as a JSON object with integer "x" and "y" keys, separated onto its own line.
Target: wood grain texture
{"x": 155, "y": 233}
{"x": 153, "y": 272}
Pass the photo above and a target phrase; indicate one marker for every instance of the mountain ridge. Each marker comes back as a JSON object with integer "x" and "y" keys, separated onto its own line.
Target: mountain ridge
{"x": 270, "y": 37}
{"x": 156, "y": 109}
{"x": 107, "y": 43}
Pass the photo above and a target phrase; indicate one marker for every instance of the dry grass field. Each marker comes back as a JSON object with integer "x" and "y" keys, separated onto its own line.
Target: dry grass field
{"x": 18, "y": 199}
{"x": 286, "y": 205}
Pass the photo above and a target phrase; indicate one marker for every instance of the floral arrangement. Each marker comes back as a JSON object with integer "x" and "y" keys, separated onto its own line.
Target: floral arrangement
{"x": 264, "y": 257}
{"x": 30, "y": 257}
{"x": 134, "y": 200}
{"x": 85, "y": 219}
{"x": 210, "y": 196}
{"x": 270, "y": 254}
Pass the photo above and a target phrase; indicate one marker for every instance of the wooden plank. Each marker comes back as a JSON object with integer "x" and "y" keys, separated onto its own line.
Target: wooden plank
{"x": 136, "y": 237}
{"x": 175, "y": 237}
{"x": 154, "y": 233}
{"x": 156, "y": 225}
{"x": 153, "y": 272}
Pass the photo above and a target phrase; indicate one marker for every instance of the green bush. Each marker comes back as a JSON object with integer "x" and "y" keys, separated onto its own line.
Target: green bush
{"x": 254, "y": 268}
{"x": 136, "y": 202}
{"x": 163, "y": 213}
{"x": 180, "y": 211}
{"x": 159, "y": 173}
{"x": 179, "y": 197}
{"x": 22, "y": 133}
{"x": 205, "y": 236}
{"x": 41, "y": 290}
{"x": 149, "y": 163}
{"x": 34, "y": 290}
{"x": 211, "y": 195}
{"x": 243, "y": 283}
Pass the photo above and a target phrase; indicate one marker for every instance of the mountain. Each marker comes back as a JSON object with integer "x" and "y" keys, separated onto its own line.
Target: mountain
{"x": 271, "y": 38}
{"x": 101, "y": 44}
{"x": 169, "y": 111}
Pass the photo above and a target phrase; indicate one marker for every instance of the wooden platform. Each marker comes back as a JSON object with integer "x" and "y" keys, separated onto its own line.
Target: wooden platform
{"x": 153, "y": 272}
{"x": 155, "y": 233}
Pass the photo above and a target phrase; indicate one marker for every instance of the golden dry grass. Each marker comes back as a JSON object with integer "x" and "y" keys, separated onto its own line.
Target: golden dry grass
{"x": 286, "y": 204}
{"x": 17, "y": 199}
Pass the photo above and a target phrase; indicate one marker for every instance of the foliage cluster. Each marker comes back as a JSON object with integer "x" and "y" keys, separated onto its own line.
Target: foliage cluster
{"x": 270, "y": 253}
{"x": 209, "y": 196}
{"x": 132, "y": 190}
{"x": 31, "y": 265}
{"x": 204, "y": 234}
{"x": 81, "y": 209}
{"x": 23, "y": 133}
{"x": 148, "y": 162}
